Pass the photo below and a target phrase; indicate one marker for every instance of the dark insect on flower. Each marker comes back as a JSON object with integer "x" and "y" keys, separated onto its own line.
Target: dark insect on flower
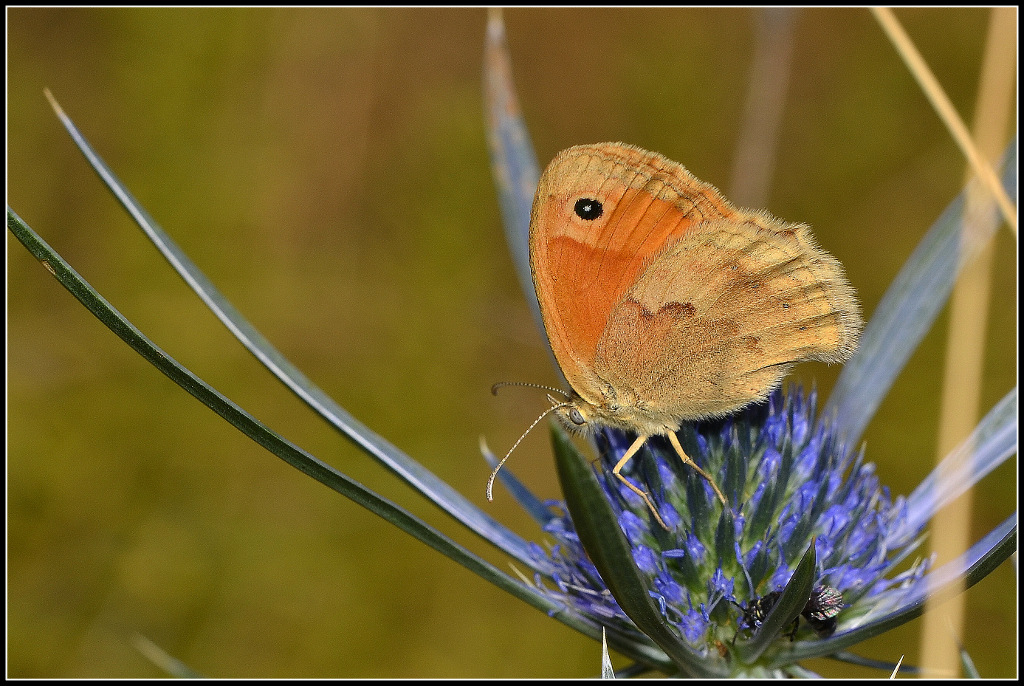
{"x": 822, "y": 608}
{"x": 756, "y": 610}
{"x": 820, "y": 611}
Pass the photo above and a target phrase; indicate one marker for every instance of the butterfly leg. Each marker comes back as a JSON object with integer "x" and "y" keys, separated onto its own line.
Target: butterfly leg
{"x": 686, "y": 460}
{"x": 633, "y": 449}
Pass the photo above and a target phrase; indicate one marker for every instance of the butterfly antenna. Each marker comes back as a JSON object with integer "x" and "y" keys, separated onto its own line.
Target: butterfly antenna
{"x": 500, "y": 384}
{"x": 545, "y": 413}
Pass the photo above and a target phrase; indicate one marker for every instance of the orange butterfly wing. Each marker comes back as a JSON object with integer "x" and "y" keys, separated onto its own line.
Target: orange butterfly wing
{"x": 582, "y": 268}
{"x": 669, "y": 303}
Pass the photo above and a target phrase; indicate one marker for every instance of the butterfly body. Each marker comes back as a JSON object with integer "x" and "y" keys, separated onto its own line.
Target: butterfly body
{"x": 663, "y": 303}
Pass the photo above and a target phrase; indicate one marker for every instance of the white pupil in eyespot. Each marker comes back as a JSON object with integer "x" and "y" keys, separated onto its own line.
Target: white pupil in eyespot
{"x": 588, "y": 209}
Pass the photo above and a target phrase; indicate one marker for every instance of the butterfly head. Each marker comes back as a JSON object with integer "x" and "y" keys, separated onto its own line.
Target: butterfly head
{"x": 579, "y": 415}
{"x": 575, "y": 413}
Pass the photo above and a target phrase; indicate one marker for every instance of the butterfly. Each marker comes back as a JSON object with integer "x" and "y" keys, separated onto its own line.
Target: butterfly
{"x": 664, "y": 304}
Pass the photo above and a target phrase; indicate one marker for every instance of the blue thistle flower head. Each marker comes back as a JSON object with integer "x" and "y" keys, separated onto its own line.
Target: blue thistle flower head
{"x": 791, "y": 484}
{"x": 810, "y": 555}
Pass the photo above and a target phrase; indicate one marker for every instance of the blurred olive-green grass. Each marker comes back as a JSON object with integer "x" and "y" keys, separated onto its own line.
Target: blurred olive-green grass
{"x": 328, "y": 169}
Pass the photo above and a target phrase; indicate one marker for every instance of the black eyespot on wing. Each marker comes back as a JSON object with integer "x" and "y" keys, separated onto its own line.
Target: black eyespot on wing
{"x": 588, "y": 209}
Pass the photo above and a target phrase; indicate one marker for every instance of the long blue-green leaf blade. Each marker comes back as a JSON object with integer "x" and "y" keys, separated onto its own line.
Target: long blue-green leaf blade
{"x": 991, "y": 443}
{"x": 534, "y": 506}
{"x": 513, "y": 161}
{"x": 420, "y": 478}
{"x": 907, "y": 311}
{"x": 952, "y": 578}
{"x": 881, "y": 665}
{"x": 164, "y": 660}
{"x": 299, "y": 458}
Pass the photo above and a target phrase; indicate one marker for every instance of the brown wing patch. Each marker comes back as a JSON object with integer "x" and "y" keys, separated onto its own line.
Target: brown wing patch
{"x": 761, "y": 297}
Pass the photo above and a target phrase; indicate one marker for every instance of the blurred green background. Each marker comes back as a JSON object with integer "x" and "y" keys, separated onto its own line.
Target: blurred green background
{"x": 328, "y": 169}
